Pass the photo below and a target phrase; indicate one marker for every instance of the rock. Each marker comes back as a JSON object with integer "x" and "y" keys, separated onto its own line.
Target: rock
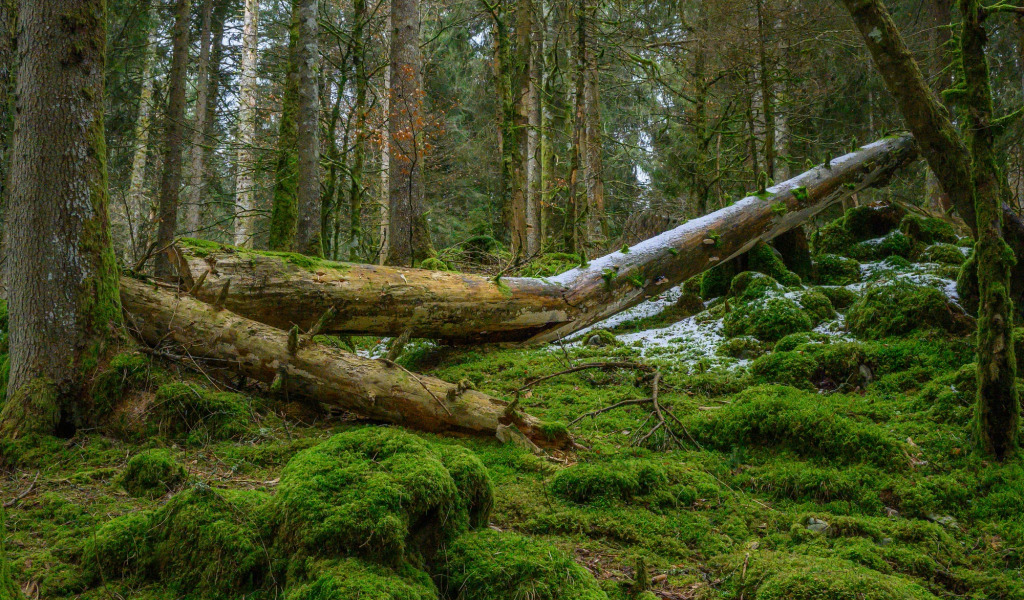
{"x": 816, "y": 525}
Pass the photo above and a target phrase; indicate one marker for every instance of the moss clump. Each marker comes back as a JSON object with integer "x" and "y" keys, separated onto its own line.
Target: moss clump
{"x": 786, "y": 368}
{"x": 493, "y": 565}
{"x": 584, "y": 483}
{"x": 380, "y": 493}
{"x": 8, "y": 588}
{"x": 817, "y": 305}
{"x": 183, "y": 410}
{"x": 928, "y": 230}
{"x": 550, "y": 264}
{"x": 796, "y": 420}
{"x": 33, "y": 409}
{"x": 118, "y": 548}
{"x": 744, "y": 348}
{"x": 832, "y": 269}
{"x": 840, "y": 297}
{"x": 872, "y": 220}
{"x": 752, "y": 285}
{"x": 688, "y": 305}
{"x": 893, "y": 244}
{"x": 353, "y": 578}
{"x": 764, "y": 259}
{"x": 832, "y": 239}
{"x": 767, "y": 320}
{"x": 779, "y": 576}
{"x": 793, "y": 341}
{"x": 125, "y": 372}
{"x": 152, "y": 474}
{"x": 946, "y": 254}
{"x": 716, "y": 280}
{"x": 434, "y": 264}
{"x": 896, "y": 308}
{"x": 967, "y": 284}
{"x": 602, "y": 337}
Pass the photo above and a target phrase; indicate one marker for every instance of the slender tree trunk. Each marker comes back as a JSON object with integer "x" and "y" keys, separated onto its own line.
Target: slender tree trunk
{"x": 193, "y": 207}
{"x": 408, "y": 235}
{"x": 593, "y": 173}
{"x": 384, "y": 193}
{"x": 998, "y": 412}
{"x": 284, "y": 213}
{"x": 533, "y": 167}
{"x": 576, "y": 211}
{"x": 174, "y": 137}
{"x": 139, "y": 206}
{"x": 8, "y": 40}
{"x": 358, "y": 190}
{"x": 245, "y": 175}
{"x": 332, "y": 202}
{"x": 307, "y": 58}
{"x": 767, "y": 81}
{"x": 61, "y": 272}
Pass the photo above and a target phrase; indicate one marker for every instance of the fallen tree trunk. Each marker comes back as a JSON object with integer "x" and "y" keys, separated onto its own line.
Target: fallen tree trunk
{"x": 306, "y": 370}
{"x": 284, "y": 290}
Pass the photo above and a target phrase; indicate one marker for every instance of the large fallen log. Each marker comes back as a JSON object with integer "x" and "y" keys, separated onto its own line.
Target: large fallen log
{"x": 284, "y": 290}
{"x": 305, "y": 370}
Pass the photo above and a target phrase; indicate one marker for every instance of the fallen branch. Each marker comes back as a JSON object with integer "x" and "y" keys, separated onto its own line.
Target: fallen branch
{"x": 316, "y": 372}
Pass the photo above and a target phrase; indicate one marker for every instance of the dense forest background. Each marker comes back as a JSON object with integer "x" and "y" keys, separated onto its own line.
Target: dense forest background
{"x": 631, "y": 113}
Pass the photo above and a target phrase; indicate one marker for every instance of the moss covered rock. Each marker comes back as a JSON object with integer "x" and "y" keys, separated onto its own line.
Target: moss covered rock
{"x": 380, "y": 493}
{"x": 118, "y": 547}
{"x": 785, "y": 368}
{"x": 872, "y": 220}
{"x": 896, "y": 308}
{"x": 762, "y": 258}
{"x": 832, "y": 269}
{"x": 716, "y": 280}
{"x": 768, "y": 320}
{"x": 795, "y": 340}
{"x": 840, "y": 297}
{"x": 752, "y": 285}
{"x": 792, "y": 577}
{"x": 583, "y": 483}
{"x": 818, "y": 306}
{"x": 152, "y": 474}
{"x": 352, "y": 578}
{"x": 946, "y": 254}
{"x": 187, "y": 411}
{"x": 928, "y": 230}
{"x": 743, "y": 347}
{"x": 493, "y": 565}
{"x": 895, "y": 243}
{"x": 832, "y": 239}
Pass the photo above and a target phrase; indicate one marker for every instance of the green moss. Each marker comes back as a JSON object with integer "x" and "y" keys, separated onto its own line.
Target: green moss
{"x": 767, "y": 320}
{"x": 967, "y": 284}
{"x": 195, "y": 413}
{"x": 795, "y": 420}
{"x": 928, "y": 230}
{"x": 892, "y": 309}
{"x": 211, "y": 541}
{"x": 794, "y": 577}
{"x": 33, "y": 409}
{"x": 794, "y": 340}
{"x": 9, "y": 590}
{"x": 832, "y": 269}
{"x": 832, "y": 239}
{"x": 554, "y": 431}
{"x": 752, "y": 285}
{"x": 584, "y": 483}
{"x": 744, "y": 348}
{"x": 152, "y": 474}
{"x": 377, "y": 492}
{"x": 124, "y": 373}
{"x": 434, "y": 264}
{"x": 946, "y": 254}
{"x": 764, "y": 259}
{"x": 817, "y": 305}
{"x": 493, "y": 565}
{"x": 602, "y": 337}
{"x": 840, "y": 297}
{"x": 786, "y": 368}
{"x": 716, "y": 280}
{"x": 352, "y": 578}
{"x": 550, "y": 264}
{"x": 1018, "y": 347}
{"x": 895, "y": 243}
{"x": 872, "y": 220}
{"x": 117, "y": 549}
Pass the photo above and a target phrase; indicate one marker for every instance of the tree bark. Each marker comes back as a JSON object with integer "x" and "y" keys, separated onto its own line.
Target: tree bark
{"x": 384, "y": 193}
{"x": 197, "y": 167}
{"x": 387, "y": 301}
{"x": 174, "y": 134}
{"x": 60, "y": 268}
{"x": 284, "y": 210}
{"x": 408, "y": 234}
{"x": 307, "y": 59}
{"x": 138, "y": 204}
{"x": 357, "y": 190}
{"x": 245, "y": 175}
{"x": 593, "y": 139}
{"x": 8, "y": 39}
{"x": 310, "y": 371}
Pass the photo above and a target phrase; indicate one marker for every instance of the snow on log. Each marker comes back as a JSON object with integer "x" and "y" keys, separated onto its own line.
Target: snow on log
{"x": 284, "y": 290}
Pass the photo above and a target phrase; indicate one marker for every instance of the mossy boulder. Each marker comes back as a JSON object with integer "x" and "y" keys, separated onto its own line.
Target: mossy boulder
{"x": 793, "y": 577}
{"x": 833, "y": 238}
{"x": 892, "y": 309}
{"x": 752, "y": 285}
{"x": 715, "y": 281}
{"x": 895, "y": 243}
{"x": 379, "y": 493}
{"x": 945, "y": 254}
{"x": 152, "y": 474}
{"x": 583, "y": 483}
{"x": 795, "y": 340}
{"x": 799, "y": 421}
{"x": 873, "y": 220}
{"x": 762, "y": 258}
{"x": 124, "y": 373}
{"x": 118, "y": 548}
{"x": 832, "y": 269}
{"x": 743, "y": 347}
{"x": 352, "y": 578}
{"x": 785, "y": 368}
{"x": 840, "y": 297}
{"x": 928, "y": 230}
{"x": 768, "y": 320}
{"x": 494, "y": 565}
{"x": 434, "y": 264}
{"x": 687, "y": 305}
{"x": 818, "y": 306}
{"x": 196, "y": 414}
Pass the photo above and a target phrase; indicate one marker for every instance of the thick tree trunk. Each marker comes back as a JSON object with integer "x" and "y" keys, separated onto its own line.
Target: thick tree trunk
{"x": 60, "y": 267}
{"x": 307, "y": 60}
{"x": 193, "y": 208}
{"x": 388, "y": 301}
{"x": 245, "y": 177}
{"x": 174, "y": 134}
{"x": 310, "y": 371}
{"x": 8, "y": 39}
{"x": 408, "y": 235}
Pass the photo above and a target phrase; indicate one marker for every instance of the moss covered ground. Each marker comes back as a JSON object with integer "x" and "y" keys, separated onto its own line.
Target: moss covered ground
{"x": 823, "y": 449}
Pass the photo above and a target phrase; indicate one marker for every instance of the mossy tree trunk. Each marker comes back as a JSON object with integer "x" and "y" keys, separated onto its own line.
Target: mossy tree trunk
{"x": 174, "y": 138}
{"x": 200, "y": 126}
{"x": 284, "y": 212}
{"x": 61, "y": 272}
{"x": 377, "y": 300}
{"x": 8, "y": 17}
{"x": 357, "y": 189}
{"x": 307, "y": 61}
{"x": 305, "y": 370}
{"x": 998, "y": 410}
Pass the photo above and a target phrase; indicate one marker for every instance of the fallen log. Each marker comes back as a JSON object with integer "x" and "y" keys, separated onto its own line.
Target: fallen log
{"x": 283, "y": 290}
{"x": 306, "y": 370}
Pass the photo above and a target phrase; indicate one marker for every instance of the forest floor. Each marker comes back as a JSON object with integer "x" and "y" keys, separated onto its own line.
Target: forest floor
{"x": 811, "y": 451}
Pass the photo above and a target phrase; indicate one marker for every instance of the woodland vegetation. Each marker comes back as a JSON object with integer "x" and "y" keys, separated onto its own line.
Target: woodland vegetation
{"x": 511, "y": 299}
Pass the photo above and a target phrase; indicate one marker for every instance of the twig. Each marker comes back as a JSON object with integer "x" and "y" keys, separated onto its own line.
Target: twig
{"x": 20, "y": 496}
{"x": 601, "y": 365}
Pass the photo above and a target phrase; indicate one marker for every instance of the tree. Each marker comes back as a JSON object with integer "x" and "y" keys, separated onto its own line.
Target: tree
{"x": 8, "y": 14}
{"x": 245, "y": 178}
{"x": 306, "y": 60}
{"x": 408, "y": 235}
{"x": 284, "y": 209}
{"x": 174, "y": 138}
{"x": 971, "y": 177}
{"x": 139, "y": 206}
{"x": 357, "y": 189}
{"x": 61, "y": 271}
{"x": 200, "y": 125}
